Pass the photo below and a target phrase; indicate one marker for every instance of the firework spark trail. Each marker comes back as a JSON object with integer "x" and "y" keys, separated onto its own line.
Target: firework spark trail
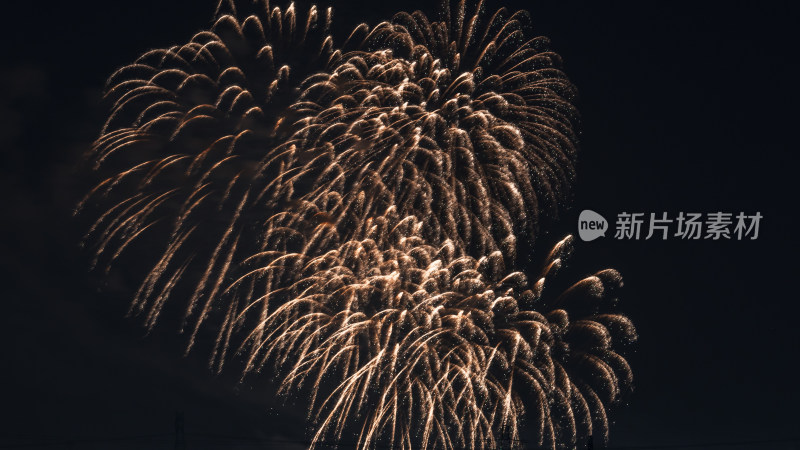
{"x": 351, "y": 217}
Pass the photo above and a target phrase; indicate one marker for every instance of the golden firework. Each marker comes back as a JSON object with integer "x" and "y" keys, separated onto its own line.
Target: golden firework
{"x": 348, "y": 218}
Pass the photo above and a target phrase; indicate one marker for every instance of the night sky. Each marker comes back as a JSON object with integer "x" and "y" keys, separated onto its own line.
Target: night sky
{"x": 685, "y": 108}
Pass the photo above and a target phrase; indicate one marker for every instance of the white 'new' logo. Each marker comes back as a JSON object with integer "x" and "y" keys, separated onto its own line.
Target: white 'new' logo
{"x": 591, "y": 225}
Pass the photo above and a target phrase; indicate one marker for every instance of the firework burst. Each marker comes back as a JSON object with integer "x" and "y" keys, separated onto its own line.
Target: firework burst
{"x": 347, "y": 219}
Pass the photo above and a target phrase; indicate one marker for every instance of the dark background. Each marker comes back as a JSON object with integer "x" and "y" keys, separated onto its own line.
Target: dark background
{"x": 685, "y": 107}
